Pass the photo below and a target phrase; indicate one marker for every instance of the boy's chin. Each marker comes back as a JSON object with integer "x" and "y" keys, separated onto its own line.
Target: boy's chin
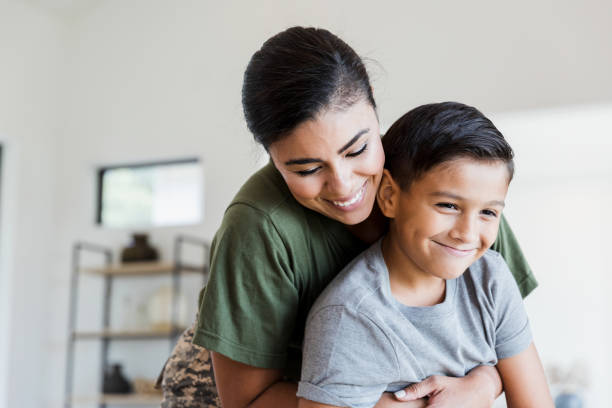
{"x": 451, "y": 273}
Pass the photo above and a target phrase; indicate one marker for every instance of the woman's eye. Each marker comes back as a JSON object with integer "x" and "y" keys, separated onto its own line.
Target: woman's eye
{"x": 489, "y": 213}
{"x": 449, "y": 206}
{"x": 358, "y": 152}
{"x": 308, "y": 172}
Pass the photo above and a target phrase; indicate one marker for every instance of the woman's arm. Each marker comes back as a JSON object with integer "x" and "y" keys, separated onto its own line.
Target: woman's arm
{"x": 479, "y": 388}
{"x": 524, "y": 380}
{"x": 386, "y": 401}
{"x": 240, "y": 385}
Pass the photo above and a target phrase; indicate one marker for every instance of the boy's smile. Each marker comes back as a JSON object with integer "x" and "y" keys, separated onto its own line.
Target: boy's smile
{"x": 446, "y": 220}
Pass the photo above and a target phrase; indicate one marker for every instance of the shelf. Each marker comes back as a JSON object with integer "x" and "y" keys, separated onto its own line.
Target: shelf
{"x": 128, "y": 334}
{"x": 142, "y": 269}
{"x": 121, "y": 399}
{"x": 109, "y": 275}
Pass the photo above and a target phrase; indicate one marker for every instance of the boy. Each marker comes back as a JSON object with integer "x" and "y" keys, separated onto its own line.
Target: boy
{"x": 429, "y": 298}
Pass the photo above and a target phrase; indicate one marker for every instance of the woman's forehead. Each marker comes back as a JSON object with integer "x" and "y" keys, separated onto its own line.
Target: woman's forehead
{"x": 329, "y": 132}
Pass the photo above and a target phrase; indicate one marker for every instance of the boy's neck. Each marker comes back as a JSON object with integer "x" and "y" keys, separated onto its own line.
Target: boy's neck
{"x": 410, "y": 285}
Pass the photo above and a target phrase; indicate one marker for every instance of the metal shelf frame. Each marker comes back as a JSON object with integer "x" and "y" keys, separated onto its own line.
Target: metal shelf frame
{"x": 105, "y": 336}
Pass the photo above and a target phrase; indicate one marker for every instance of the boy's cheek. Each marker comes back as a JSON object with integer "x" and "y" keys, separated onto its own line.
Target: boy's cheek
{"x": 491, "y": 234}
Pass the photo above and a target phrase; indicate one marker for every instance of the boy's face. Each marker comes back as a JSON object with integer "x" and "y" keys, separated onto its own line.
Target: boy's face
{"x": 447, "y": 219}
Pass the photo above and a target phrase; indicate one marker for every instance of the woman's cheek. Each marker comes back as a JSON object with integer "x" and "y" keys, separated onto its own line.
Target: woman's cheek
{"x": 304, "y": 188}
{"x": 376, "y": 161}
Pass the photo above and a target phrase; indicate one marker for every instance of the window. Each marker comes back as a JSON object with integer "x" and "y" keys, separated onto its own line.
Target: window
{"x": 150, "y": 194}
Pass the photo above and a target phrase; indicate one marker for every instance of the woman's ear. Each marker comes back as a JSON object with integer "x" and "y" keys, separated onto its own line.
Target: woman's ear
{"x": 387, "y": 195}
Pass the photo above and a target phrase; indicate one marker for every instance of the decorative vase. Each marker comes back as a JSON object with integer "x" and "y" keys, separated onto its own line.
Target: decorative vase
{"x": 159, "y": 308}
{"x": 568, "y": 400}
{"x": 114, "y": 381}
{"x": 139, "y": 250}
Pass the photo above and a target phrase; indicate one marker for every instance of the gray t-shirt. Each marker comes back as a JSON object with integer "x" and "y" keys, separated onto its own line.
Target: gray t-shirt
{"x": 360, "y": 341}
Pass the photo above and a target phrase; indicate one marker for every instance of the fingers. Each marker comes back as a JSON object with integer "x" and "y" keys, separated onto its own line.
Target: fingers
{"x": 419, "y": 390}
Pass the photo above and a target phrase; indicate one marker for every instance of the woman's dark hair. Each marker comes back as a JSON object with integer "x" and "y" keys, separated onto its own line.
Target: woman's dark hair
{"x": 297, "y": 74}
{"x": 432, "y": 134}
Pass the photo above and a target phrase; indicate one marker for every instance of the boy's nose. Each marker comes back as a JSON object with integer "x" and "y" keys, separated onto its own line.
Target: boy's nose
{"x": 465, "y": 229}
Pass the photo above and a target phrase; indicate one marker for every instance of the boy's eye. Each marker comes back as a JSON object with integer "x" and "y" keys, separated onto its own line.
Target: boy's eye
{"x": 358, "y": 152}
{"x": 449, "y": 206}
{"x": 489, "y": 213}
{"x": 308, "y": 172}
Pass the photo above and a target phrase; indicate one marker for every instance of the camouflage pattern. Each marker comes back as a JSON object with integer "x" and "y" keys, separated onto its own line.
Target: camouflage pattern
{"x": 187, "y": 379}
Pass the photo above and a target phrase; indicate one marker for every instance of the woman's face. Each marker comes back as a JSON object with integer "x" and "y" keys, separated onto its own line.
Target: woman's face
{"x": 333, "y": 163}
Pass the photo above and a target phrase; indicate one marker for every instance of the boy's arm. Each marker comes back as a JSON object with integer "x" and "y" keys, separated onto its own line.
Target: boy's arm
{"x": 524, "y": 380}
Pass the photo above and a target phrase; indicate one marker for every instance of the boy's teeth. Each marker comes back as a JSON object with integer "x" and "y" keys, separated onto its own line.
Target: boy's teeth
{"x": 351, "y": 201}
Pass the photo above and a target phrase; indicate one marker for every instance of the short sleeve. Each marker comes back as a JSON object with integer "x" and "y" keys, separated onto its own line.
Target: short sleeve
{"x": 249, "y": 306}
{"x": 345, "y": 356}
{"x": 507, "y": 245}
{"x": 512, "y": 331}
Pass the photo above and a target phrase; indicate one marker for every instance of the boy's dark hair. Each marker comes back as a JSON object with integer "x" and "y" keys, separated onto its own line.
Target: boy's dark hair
{"x": 295, "y": 75}
{"x": 435, "y": 133}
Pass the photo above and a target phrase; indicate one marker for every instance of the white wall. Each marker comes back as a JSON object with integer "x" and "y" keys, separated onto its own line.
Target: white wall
{"x": 143, "y": 80}
{"x": 31, "y": 65}
{"x": 559, "y": 207}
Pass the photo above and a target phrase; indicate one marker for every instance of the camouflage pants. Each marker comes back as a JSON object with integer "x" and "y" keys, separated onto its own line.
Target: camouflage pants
{"x": 187, "y": 379}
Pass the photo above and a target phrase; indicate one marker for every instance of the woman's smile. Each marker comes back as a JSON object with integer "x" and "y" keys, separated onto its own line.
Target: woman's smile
{"x": 350, "y": 203}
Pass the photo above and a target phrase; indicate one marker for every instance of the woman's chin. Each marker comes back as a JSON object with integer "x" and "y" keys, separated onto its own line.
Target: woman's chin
{"x": 353, "y": 216}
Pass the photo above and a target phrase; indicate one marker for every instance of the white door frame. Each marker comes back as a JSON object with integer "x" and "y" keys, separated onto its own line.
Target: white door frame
{"x": 8, "y": 207}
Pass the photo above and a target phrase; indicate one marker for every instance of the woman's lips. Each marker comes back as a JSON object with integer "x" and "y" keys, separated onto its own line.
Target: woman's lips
{"x": 457, "y": 252}
{"x": 352, "y": 202}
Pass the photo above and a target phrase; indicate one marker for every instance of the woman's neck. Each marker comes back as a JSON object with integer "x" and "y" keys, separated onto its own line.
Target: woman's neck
{"x": 372, "y": 228}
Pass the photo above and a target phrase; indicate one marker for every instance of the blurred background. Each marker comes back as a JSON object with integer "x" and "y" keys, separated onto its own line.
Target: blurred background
{"x": 87, "y": 85}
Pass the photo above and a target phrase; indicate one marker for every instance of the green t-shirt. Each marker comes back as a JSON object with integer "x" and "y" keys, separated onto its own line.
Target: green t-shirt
{"x": 269, "y": 261}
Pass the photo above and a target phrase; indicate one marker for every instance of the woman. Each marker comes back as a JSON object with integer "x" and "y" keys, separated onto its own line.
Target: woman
{"x": 295, "y": 223}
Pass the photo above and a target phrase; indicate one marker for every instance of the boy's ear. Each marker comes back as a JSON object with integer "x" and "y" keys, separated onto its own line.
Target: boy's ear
{"x": 387, "y": 196}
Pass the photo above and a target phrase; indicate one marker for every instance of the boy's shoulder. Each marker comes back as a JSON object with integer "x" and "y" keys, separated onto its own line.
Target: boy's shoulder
{"x": 490, "y": 273}
{"x": 489, "y": 262}
{"x": 357, "y": 282}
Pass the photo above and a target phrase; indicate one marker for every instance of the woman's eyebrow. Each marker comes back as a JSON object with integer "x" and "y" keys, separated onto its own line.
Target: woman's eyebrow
{"x": 353, "y": 140}
{"x": 302, "y": 161}
{"x": 342, "y": 149}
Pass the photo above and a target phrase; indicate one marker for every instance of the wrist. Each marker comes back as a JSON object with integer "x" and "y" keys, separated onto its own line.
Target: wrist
{"x": 486, "y": 381}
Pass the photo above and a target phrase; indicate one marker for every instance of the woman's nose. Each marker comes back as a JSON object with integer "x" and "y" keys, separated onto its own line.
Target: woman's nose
{"x": 339, "y": 181}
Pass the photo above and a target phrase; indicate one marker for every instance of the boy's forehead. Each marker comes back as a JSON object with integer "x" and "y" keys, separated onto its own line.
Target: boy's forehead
{"x": 463, "y": 178}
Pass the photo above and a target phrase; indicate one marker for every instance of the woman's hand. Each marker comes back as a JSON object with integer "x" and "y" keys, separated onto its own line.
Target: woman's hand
{"x": 387, "y": 400}
{"x": 477, "y": 389}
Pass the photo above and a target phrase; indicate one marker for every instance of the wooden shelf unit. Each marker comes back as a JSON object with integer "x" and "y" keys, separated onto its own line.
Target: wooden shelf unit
{"x": 128, "y": 334}
{"x": 120, "y": 399}
{"x": 143, "y": 269}
{"x": 108, "y": 274}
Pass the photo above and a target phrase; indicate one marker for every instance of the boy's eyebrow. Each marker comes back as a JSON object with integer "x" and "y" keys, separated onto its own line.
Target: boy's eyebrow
{"x": 446, "y": 194}
{"x": 342, "y": 149}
